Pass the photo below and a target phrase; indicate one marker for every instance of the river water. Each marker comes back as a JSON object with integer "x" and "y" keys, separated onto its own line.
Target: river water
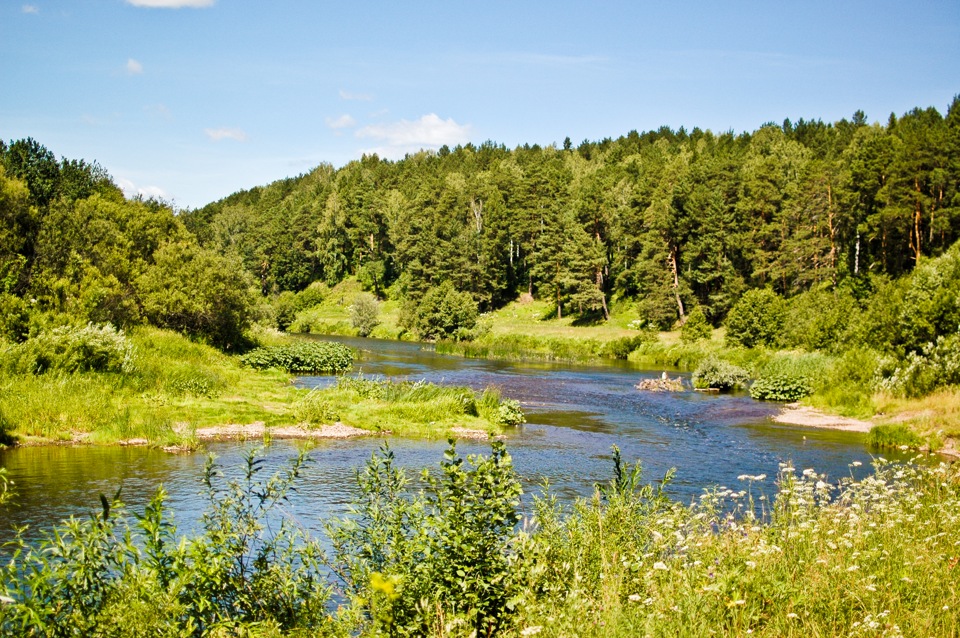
{"x": 574, "y": 415}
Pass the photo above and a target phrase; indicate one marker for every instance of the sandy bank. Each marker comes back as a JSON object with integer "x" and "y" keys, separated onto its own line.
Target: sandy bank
{"x": 796, "y": 414}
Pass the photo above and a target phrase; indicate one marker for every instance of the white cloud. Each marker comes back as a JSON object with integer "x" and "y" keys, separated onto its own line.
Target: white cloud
{"x": 429, "y": 132}
{"x": 344, "y": 121}
{"x": 217, "y": 134}
{"x": 147, "y": 192}
{"x": 347, "y": 95}
{"x": 172, "y": 4}
{"x": 30, "y": 8}
{"x": 134, "y": 67}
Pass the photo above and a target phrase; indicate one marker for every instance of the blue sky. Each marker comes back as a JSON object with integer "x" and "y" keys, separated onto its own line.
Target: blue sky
{"x": 191, "y": 103}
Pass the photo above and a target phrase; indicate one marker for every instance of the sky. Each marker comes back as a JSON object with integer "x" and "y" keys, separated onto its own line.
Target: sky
{"x": 192, "y": 100}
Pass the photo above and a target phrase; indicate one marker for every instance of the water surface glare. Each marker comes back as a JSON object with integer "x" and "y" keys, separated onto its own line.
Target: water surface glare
{"x": 574, "y": 413}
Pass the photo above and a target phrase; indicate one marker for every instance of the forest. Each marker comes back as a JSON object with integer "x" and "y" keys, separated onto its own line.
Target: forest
{"x": 808, "y": 257}
{"x": 838, "y": 238}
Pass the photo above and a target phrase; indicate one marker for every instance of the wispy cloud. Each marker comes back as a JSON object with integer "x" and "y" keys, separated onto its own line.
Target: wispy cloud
{"x": 217, "y": 134}
{"x": 172, "y": 4}
{"x": 133, "y": 67}
{"x": 405, "y": 136}
{"x": 362, "y": 97}
{"x": 344, "y": 121}
{"x": 30, "y": 8}
{"x": 159, "y": 110}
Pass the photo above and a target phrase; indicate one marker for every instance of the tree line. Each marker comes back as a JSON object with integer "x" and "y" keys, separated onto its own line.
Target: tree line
{"x": 672, "y": 219}
{"x": 669, "y": 220}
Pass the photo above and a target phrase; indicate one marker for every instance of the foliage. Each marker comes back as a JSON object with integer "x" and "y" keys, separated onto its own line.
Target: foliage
{"x": 364, "y": 314}
{"x": 199, "y": 293}
{"x": 719, "y": 374}
{"x": 444, "y": 556}
{"x": 93, "y": 576}
{"x": 450, "y": 560}
{"x": 442, "y": 313}
{"x": 757, "y": 319}
{"x": 935, "y": 366}
{"x": 696, "y": 327}
{"x": 820, "y": 320}
{"x": 893, "y": 435}
{"x": 418, "y": 408}
{"x": 789, "y": 377}
{"x": 71, "y": 349}
{"x": 302, "y": 356}
{"x": 622, "y": 347}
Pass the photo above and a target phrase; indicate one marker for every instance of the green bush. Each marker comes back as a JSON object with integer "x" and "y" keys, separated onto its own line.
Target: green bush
{"x": 789, "y": 377}
{"x": 756, "y": 320}
{"x": 302, "y": 357}
{"x": 284, "y": 309}
{"x": 415, "y": 563}
{"x": 893, "y": 435}
{"x": 313, "y": 295}
{"x": 720, "y": 375}
{"x": 696, "y": 327}
{"x": 622, "y": 347}
{"x": 364, "y": 314}
{"x": 109, "y": 576}
{"x": 819, "y": 319}
{"x": 937, "y": 365}
{"x": 442, "y": 313}
{"x": 89, "y": 348}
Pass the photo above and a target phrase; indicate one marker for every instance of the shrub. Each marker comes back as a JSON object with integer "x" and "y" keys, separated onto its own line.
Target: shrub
{"x": 415, "y": 563}
{"x": 622, "y": 347}
{"x": 893, "y": 435}
{"x": 936, "y": 365}
{"x": 90, "y": 348}
{"x": 199, "y": 293}
{"x": 696, "y": 328}
{"x": 249, "y": 565}
{"x": 284, "y": 309}
{"x": 442, "y": 313}
{"x": 789, "y": 378}
{"x": 314, "y": 409}
{"x": 364, "y": 314}
{"x": 312, "y": 295}
{"x": 756, "y": 320}
{"x": 302, "y": 357}
{"x": 819, "y": 319}
{"x": 718, "y": 374}
{"x": 14, "y": 318}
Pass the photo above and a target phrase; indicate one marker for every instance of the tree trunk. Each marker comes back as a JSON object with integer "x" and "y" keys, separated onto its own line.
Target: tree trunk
{"x": 603, "y": 296}
{"x": 676, "y": 284}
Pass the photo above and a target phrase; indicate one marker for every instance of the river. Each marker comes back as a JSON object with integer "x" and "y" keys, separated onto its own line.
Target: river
{"x": 574, "y": 415}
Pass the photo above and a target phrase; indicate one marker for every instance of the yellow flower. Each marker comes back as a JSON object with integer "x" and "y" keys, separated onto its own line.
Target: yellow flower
{"x": 386, "y": 585}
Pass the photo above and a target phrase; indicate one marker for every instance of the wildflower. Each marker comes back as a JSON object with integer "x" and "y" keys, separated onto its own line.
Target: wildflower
{"x": 751, "y": 564}
{"x": 6, "y": 600}
{"x": 531, "y": 631}
{"x": 661, "y": 566}
{"x": 809, "y": 472}
{"x": 791, "y": 615}
{"x": 634, "y": 598}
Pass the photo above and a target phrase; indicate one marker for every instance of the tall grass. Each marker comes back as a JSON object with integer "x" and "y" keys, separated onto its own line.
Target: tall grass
{"x": 796, "y": 555}
{"x": 418, "y": 409}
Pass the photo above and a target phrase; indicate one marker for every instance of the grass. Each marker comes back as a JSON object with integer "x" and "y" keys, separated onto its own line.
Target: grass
{"x": 332, "y": 315}
{"x": 176, "y": 386}
{"x": 411, "y": 409}
{"x": 795, "y": 556}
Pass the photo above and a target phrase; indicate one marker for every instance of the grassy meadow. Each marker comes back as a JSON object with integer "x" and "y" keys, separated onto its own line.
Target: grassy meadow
{"x": 169, "y": 386}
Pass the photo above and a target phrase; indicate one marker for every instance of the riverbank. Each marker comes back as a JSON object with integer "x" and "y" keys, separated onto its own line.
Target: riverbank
{"x": 175, "y": 394}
